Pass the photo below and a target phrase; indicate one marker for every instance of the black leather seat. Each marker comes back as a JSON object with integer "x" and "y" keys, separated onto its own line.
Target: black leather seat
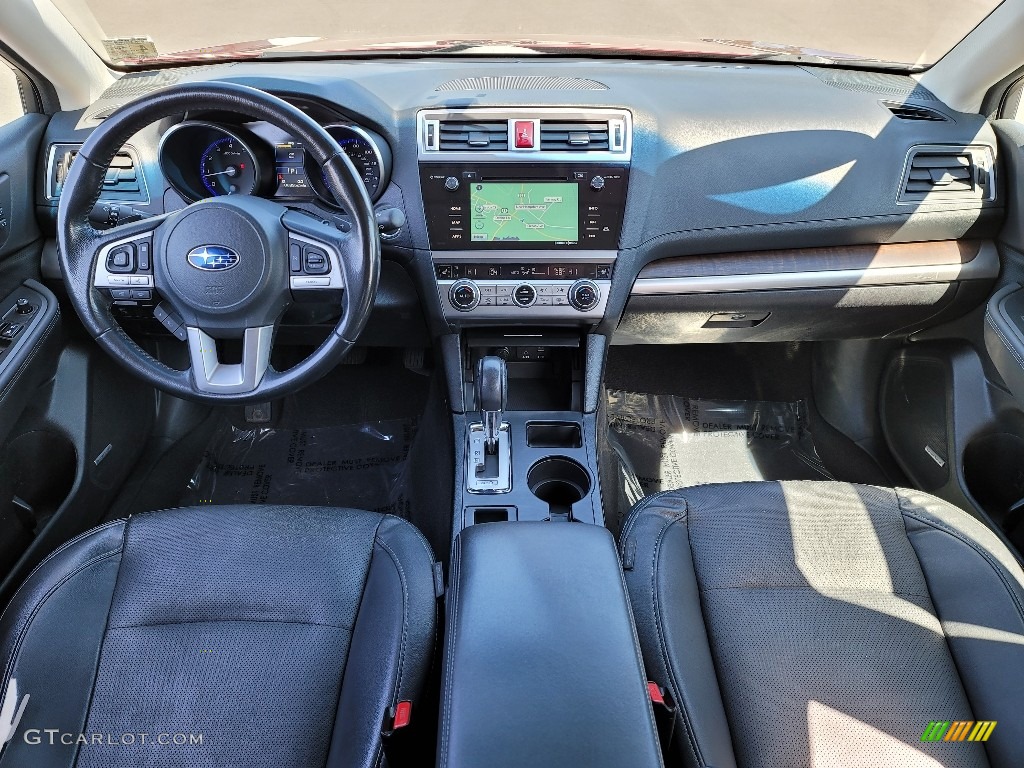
{"x": 280, "y": 635}
{"x": 826, "y": 624}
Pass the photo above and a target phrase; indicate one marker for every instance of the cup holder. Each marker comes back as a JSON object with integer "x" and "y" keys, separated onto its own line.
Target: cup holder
{"x": 559, "y": 482}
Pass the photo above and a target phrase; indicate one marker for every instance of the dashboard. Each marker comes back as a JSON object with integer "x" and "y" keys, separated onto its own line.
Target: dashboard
{"x": 653, "y": 201}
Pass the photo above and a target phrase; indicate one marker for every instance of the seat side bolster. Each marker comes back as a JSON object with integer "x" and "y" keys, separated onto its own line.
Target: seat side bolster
{"x": 978, "y": 592}
{"x": 51, "y": 634}
{"x": 665, "y": 598}
{"x": 392, "y": 643}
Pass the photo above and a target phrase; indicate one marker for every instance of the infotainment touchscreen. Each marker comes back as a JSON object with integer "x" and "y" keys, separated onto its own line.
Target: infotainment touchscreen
{"x": 539, "y": 207}
{"x": 532, "y": 212}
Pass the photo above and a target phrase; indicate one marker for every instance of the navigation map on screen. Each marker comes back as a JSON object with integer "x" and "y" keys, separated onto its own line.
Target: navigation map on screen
{"x": 524, "y": 211}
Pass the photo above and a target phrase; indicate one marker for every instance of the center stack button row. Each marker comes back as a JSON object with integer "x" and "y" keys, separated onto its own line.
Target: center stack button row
{"x": 524, "y": 295}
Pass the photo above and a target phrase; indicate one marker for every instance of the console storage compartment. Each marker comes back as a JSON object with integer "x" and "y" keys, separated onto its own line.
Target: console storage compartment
{"x": 542, "y": 666}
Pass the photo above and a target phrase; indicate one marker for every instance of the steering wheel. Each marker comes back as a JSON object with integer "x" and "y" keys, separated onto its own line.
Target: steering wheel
{"x": 221, "y": 268}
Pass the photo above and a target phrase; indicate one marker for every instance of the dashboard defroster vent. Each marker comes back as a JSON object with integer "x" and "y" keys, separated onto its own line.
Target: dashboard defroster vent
{"x": 941, "y": 174}
{"x": 522, "y": 83}
{"x": 567, "y": 136}
{"x": 473, "y": 136}
{"x": 914, "y": 112}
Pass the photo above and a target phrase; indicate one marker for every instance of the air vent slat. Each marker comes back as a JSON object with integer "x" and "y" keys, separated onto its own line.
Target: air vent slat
{"x": 941, "y": 161}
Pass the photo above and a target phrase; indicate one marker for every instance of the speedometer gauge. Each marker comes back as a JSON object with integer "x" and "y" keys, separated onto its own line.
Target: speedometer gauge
{"x": 228, "y": 167}
{"x": 368, "y": 152}
{"x": 364, "y": 157}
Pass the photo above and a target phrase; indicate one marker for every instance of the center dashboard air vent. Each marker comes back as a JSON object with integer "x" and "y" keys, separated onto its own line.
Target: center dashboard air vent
{"x": 473, "y": 136}
{"x": 518, "y": 133}
{"x": 567, "y": 136}
{"x": 938, "y": 174}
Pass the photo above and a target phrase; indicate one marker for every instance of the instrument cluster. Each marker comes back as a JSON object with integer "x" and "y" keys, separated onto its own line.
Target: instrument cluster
{"x": 210, "y": 159}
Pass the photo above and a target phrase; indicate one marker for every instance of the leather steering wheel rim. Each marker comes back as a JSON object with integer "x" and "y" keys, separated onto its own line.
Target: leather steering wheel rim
{"x": 80, "y": 243}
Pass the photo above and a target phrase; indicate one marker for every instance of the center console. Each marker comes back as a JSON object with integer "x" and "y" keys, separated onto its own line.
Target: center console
{"x": 541, "y": 662}
{"x": 524, "y": 210}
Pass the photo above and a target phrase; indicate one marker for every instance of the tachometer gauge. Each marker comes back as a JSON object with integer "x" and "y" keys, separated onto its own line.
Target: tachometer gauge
{"x": 228, "y": 167}
{"x": 203, "y": 160}
{"x": 370, "y": 155}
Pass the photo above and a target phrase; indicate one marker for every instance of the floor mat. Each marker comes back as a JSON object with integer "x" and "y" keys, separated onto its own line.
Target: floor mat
{"x": 665, "y": 442}
{"x": 359, "y": 465}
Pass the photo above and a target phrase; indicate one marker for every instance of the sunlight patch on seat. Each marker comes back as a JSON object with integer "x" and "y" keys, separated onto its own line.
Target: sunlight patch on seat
{"x": 976, "y": 632}
{"x": 838, "y": 740}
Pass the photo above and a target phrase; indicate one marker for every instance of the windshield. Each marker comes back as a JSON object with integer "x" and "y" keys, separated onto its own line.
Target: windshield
{"x": 907, "y": 35}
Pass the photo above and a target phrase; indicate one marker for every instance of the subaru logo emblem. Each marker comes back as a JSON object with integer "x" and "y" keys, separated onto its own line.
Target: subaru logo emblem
{"x": 212, "y": 257}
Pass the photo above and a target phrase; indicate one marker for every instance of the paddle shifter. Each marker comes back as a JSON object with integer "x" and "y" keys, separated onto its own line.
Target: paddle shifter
{"x": 489, "y": 451}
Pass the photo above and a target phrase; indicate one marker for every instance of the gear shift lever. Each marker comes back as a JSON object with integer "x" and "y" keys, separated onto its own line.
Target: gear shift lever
{"x": 491, "y": 397}
{"x": 489, "y": 449}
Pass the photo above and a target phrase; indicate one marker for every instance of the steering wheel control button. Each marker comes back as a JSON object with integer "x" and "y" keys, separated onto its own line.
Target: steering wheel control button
{"x": 121, "y": 259}
{"x": 294, "y": 257}
{"x": 145, "y": 260}
{"x": 315, "y": 261}
{"x": 171, "y": 321}
{"x": 120, "y": 293}
{"x": 142, "y": 294}
{"x": 584, "y": 295}
{"x": 525, "y": 295}
{"x": 464, "y": 295}
{"x": 311, "y": 282}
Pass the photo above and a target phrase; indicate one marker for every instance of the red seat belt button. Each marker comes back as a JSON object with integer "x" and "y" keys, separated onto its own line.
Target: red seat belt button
{"x": 655, "y": 693}
{"x": 403, "y": 715}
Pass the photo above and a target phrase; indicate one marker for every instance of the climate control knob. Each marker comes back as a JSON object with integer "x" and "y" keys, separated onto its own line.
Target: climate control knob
{"x": 584, "y": 295}
{"x": 524, "y": 295}
{"x": 464, "y": 295}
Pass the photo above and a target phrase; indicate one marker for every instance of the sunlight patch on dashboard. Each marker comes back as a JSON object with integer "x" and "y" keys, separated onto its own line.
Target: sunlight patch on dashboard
{"x": 790, "y": 196}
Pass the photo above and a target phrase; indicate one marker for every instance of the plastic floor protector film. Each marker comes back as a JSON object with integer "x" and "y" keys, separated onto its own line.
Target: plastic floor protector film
{"x": 358, "y": 465}
{"x": 665, "y": 442}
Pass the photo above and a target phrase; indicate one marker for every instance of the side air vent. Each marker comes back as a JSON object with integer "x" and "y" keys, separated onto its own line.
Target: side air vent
{"x": 479, "y": 136}
{"x": 522, "y": 83}
{"x": 123, "y": 180}
{"x": 914, "y": 112}
{"x": 940, "y": 174}
{"x": 568, "y": 136}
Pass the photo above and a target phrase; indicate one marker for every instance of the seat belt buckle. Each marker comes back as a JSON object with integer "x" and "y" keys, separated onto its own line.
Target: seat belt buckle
{"x": 398, "y": 717}
{"x": 397, "y": 740}
{"x": 664, "y": 713}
